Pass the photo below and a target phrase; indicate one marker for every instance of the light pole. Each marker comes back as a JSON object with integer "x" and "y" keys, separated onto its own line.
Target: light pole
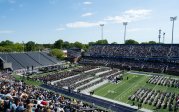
{"x": 173, "y": 20}
{"x": 23, "y": 46}
{"x": 101, "y": 25}
{"x": 163, "y": 37}
{"x": 125, "y": 24}
{"x": 159, "y": 36}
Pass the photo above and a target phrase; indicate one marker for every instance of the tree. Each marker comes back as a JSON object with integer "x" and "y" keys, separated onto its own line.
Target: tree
{"x": 39, "y": 47}
{"x": 6, "y": 43}
{"x": 18, "y": 47}
{"x": 58, "y": 44}
{"x": 48, "y": 45}
{"x": 114, "y": 43}
{"x": 130, "y": 41}
{"x": 102, "y": 42}
{"x": 5, "y": 49}
{"x": 86, "y": 47}
{"x": 144, "y": 43}
{"x": 57, "y": 53}
{"x": 30, "y": 46}
{"x": 78, "y": 45}
{"x": 66, "y": 45}
{"x": 152, "y": 42}
{"x": 91, "y": 43}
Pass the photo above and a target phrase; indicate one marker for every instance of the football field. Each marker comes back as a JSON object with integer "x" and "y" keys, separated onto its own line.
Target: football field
{"x": 125, "y": 88}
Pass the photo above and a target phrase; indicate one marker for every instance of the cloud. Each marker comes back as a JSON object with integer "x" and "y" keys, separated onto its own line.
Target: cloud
{"x": 81, "y": 24}
{"x": 130, "y": 16}
{"x": 87, "y": 3}
{"x": 87, "y": 14}
{"x": 60, "y": 29}
{"x": 6, "y": 31}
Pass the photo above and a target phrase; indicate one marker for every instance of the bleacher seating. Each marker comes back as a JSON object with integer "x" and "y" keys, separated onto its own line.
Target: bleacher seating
{"x": 49, "y": 57}
{"x": 28, "y": 59}
{"x": 160, "y": 58}
{"x": 40, "y": 58}
{"x": 8, "y": 58}
{"x": 24, "y": 59}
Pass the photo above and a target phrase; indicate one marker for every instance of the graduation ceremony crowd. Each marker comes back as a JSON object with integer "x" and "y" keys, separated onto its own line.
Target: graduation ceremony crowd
{"x": 16, "y": 96}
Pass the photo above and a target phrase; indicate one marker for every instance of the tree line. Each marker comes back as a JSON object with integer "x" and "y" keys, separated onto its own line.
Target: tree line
{"x": 9, "y": 46}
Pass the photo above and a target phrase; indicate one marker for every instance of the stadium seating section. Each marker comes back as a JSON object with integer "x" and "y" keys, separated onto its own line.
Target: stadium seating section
{"x": 160, "y": 58}
{"x": 28, "y": 59}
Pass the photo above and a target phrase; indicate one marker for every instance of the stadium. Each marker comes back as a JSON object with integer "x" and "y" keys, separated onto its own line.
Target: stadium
{"x": 41, "y": 71}
{"x": 116, "y": 77}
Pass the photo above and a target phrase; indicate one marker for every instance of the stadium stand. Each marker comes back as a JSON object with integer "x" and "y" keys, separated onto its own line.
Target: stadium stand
{"x": 40, "y": 58}
{"x": 54, "y": 60}
{"x": 16, "y": 96}
{"x": 24, "y": 60}
{"x": 28, "y": 60}
{"x": 8, "y": 58}
{"x": 160, "y": 58}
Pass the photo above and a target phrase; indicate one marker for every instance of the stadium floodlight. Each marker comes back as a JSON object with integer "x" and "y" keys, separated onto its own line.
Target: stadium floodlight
{"x": 23, "y": 46}
{"x": 125, "y": 24}
{"x": 159, "y": 36}
{"x": 101, "y": 25}
{"x": 163, "y": 37}
{"x": 173, "y": 19}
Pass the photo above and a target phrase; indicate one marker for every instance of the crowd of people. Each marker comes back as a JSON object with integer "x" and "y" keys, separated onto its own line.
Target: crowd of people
{"x": 114, "y": 76}
{"x": 70, "y": 81}
{"x": 164, "y": 81}
{"x": 159, "y": 58}
{"x": 90, "y": 84}
{"x": 156, "y": 98}
{"x": 16, "y": 96}
{"x": 109, "y": 73}
{"x": 137, "y": 50}
{"x": 61, "y": 75}
{"x": 86, "y": 77}
{"x": 128, "y": 64}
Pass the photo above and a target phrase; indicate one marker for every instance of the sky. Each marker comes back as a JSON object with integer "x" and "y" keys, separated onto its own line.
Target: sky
{"x": 45, "y": 21}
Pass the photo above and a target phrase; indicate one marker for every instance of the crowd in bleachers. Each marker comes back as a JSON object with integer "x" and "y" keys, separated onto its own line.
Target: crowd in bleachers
{"x": 159, "y": 58}
{"x": 90, "y": 85}
{"x": 129, "y": 64}
{"x": 72, "y": 80}
{"x": 77, "y": 77}
{"x": 156, "y": 98}
{"x": 65, "y": 74}
{"x": 85, "y": 77}
{"x": 105, "y": 75}
{"x": 16, "y": 96}
{"x": 140, "y": 50}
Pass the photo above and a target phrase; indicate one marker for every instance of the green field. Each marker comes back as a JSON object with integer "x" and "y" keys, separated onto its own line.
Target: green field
{"x": 125, "y": 88}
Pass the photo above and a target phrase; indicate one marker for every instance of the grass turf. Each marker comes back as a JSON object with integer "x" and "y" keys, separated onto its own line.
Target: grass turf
{"x": 29, "y": 82}
{"x": 125, "y": 88}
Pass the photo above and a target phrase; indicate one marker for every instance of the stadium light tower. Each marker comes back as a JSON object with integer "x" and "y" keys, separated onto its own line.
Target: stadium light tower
{"x": 125, "y": 24}
{"x": 23, "y": 46}
{"x": 159, "y": 36}
{"x": 163, "y": 37}
{"x": 101, "y": 25}
{"x": 173, "y": 19}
